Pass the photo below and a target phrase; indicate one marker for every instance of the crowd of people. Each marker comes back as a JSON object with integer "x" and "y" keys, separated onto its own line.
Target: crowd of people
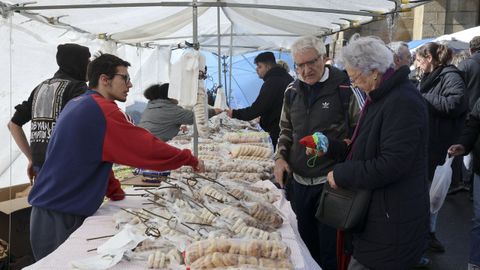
{"x": 384, "y": 127}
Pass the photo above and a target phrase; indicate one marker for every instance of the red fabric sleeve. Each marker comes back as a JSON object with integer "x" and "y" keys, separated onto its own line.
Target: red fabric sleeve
{"x": 125, "y": 143}
{"x": 114, "y": 189}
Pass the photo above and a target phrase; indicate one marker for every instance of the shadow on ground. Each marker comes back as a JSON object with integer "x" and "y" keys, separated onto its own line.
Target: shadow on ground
{"x": 453, "y": 230}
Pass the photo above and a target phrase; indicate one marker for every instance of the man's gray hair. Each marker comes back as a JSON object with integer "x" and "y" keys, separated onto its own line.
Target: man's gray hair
{"x": 400, "y": 49}
{"x": 308, "y": 42}
{"x": 366, "y": 54}
{"x": 397, "y": 46}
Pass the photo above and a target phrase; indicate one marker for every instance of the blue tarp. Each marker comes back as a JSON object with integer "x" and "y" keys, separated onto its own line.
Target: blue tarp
{"x": 245, "y": 82}
{"x": 416, "y": 43}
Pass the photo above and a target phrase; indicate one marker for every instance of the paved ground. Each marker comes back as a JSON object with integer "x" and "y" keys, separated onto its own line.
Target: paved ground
{"x": 453, "y": 228}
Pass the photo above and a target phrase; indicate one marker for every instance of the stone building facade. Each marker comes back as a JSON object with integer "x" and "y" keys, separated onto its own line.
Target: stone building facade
{"x": 430, "y": 20}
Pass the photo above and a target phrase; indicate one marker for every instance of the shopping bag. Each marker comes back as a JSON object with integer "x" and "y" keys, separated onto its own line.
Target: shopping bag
{"x": 467, "y": 161}
{"x": 440, "y": 184}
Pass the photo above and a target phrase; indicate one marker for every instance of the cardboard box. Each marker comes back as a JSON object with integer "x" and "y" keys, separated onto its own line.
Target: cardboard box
{"x": 15, "y": 220}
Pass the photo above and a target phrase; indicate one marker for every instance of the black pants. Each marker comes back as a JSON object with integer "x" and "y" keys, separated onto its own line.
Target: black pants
{"x": 49, "y": 229}
{"x": 457, "y": 168}
{"x": 319, "y": 238}
{"x": 274, "y": 138}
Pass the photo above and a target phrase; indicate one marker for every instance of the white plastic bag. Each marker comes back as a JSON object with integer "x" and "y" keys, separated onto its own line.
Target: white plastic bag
{"x": 467, "y": 161}
{"x": 440, "y": 184}
{"x": 220, "y": 100}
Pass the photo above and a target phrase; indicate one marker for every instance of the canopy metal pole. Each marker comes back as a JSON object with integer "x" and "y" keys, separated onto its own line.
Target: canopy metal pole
{"x": 224, "y": 58}
{"x": 201, "y": 4}
{"x": 195, "y": 25}
{"x": 196, "y": 47}
{"x": 231, "y": 56}
{"x": 219, "y": 50}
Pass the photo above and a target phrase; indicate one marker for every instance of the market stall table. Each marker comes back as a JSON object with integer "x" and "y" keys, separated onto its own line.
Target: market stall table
{"x": 76, "y": 247}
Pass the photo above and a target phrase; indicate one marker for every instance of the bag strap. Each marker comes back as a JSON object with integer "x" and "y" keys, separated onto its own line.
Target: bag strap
{"x": 344, "y": 93}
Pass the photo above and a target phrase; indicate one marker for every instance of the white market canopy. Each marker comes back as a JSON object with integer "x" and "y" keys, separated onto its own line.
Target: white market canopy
{"x": 248, "y": 25}
{"x": 144, "y": 32}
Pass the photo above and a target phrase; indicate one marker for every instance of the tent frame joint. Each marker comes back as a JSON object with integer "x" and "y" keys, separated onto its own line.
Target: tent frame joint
{"x": 5, "y": 10}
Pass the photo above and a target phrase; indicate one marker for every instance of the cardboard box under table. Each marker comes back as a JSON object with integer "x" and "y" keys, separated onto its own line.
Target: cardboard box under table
{"x": 15, "y": 221}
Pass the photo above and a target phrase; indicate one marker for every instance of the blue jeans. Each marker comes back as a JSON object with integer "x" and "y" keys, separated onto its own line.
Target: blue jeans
{"x": 475, "y": 233}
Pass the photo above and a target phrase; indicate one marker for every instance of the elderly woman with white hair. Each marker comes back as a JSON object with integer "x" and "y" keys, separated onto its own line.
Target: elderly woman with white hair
{"x": 388, "y": 157}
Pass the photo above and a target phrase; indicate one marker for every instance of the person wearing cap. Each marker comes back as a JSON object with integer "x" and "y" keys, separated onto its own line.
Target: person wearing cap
{"x": 268, "y": 104}
{"x": 163, "y": 117}
{"x": 44, "y": 105}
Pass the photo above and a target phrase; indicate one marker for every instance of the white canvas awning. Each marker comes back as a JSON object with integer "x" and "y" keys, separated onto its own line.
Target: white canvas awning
{"x": 144, "y": 32}
{"x": 248, "y": 25}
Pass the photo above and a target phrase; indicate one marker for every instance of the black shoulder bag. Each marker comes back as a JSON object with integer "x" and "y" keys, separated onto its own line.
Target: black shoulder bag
{"x": 341, "y": 208}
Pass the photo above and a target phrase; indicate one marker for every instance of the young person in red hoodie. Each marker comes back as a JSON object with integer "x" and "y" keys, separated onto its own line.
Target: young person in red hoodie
{"x": 91, "y": 134}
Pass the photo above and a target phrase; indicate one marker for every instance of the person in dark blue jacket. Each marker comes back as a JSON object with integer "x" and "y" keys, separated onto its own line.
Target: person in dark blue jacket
{"x": 388, "y": 156}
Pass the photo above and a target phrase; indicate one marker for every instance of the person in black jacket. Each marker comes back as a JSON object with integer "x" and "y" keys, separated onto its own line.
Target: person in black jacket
{"x": 443, "y": 88}
{"x": 46, "y": 101}
{"x": 44, "y": 105}
{"x": 322, "y": 100}
{"x": 268, "y": 104}
{"x": 471, "y": 72}
{"x": 468, "y": 142}
{"x": 388, "y": 156}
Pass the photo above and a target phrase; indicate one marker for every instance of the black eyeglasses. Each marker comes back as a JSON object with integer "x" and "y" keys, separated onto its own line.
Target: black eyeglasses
{"x": 309, "y": 64}
{"x": 125, "y": 77}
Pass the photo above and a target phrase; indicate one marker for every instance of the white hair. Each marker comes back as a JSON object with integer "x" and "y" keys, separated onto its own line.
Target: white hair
{"x": 366, "y": 54}
{"x": 399, "y": 48}
{"x": 308, "y": 42}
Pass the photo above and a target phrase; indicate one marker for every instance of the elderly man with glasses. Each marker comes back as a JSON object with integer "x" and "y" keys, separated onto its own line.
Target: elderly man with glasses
{"x": 320, "y": 100}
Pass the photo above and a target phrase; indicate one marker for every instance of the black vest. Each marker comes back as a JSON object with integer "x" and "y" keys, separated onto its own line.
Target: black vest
{"x": 325, "y": 114}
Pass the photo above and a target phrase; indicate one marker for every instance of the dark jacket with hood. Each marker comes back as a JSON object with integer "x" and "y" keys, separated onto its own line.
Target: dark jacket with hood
{"x": 268, "y": 104}
{"x": 389, "y": 158}
{"x": 49, "y": 97}
{"x": 444, "y": 91}
{"x": 471, "y": 72}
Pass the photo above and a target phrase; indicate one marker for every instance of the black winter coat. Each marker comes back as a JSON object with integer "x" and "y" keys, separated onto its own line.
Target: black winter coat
{"x": 471, "y": 72}
{"x": 470, "y": 137}
{"x": 447, "y": 108}
{"x": 389, "y": 157}
{"x": 268, "y": 104}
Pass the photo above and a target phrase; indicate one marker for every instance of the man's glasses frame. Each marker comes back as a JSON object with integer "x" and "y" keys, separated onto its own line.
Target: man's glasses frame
{"x": 309, "y": 64}
{"x": 125, "y": 77}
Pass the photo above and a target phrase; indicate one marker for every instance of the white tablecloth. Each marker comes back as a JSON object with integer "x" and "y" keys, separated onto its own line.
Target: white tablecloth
{"x": 101, "y": 224}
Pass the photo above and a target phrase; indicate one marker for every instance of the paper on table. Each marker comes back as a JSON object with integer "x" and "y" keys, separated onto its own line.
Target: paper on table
{"x": 111, "y": 252}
